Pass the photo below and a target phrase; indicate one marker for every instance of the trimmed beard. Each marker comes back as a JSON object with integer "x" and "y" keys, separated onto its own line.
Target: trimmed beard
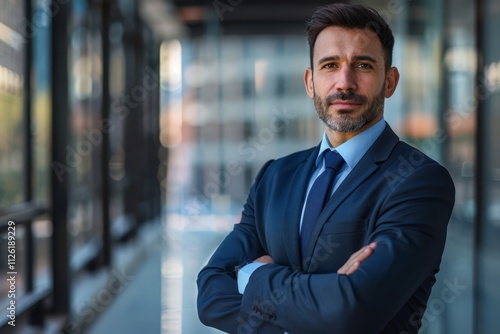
{"x": 344, "y": 122}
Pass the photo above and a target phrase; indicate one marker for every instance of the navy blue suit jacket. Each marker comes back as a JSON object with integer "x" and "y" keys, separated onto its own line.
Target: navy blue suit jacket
{"x": 396, "y": 196}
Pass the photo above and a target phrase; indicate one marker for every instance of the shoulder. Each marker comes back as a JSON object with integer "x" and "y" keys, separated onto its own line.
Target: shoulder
{"x": 410, "y": 156}
{"x": 408, "y": 164}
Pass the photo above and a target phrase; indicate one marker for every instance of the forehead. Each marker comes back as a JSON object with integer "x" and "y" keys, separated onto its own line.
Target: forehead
{"x": 342, "y": 42}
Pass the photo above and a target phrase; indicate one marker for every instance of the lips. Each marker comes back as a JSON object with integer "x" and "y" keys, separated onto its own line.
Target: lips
{"x": 345, "y": 104}
{"x": 345, "y": 100}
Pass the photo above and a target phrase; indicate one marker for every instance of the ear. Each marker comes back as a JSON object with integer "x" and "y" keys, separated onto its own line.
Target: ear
{"x": 308, "y": 82}
{"x": 391, "y": 81}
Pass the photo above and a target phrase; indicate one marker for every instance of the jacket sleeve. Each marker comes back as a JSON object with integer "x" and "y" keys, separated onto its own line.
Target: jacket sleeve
{"x": 410, "y": 232}
{"x": 218, "y": 298}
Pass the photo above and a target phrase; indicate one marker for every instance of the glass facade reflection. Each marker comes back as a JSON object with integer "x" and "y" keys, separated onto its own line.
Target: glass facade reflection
{"x": 243, "y": 104}
{"x": 233, "y": 85}
{"x": 435, "y": 44}
{"x": 41, "y": 100}
{"x": 85, "y": 91}
{"x": 12, "y": 118}
{"x": 229, "y": 103}
{"x": 61, "y": 139}
{"x": 489, "y": 249}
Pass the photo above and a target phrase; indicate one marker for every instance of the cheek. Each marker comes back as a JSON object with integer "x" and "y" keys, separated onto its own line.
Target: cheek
{"x": 372, "y": 89}
{"x": 323, "y": 85}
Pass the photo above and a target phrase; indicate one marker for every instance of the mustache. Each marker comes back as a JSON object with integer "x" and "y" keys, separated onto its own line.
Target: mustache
{"x": 345, "y": 96}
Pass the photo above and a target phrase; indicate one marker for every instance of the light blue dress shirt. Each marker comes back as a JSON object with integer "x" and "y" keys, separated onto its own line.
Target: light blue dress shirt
{"x": 352, "y": 151}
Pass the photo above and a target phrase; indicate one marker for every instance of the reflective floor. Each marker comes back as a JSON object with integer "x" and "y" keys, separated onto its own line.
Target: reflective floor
{"x": 138, "y": 308}
{"x": 161, "y": 297}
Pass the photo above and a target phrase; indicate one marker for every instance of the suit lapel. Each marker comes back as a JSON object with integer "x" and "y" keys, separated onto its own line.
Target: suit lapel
{"x": 369, "y": 163}
{"x": 293, "y": 209}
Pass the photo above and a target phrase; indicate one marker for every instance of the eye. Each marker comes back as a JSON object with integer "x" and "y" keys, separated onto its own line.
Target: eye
{"x": 365, "y": 66}
{"x": 330, "y": 66}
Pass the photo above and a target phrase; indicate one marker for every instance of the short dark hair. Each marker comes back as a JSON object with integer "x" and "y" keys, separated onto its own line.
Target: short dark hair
{"x": 350, "y": 16}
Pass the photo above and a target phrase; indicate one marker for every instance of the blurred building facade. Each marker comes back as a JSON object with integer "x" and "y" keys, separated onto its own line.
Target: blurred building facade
{"x": 98, "y": 99}
{"x": 242, "y": 102}
{"x": 80, "y": 156}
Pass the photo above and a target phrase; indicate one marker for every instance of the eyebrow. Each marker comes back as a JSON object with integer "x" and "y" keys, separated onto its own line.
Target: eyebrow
{"x": 356, "y": 58}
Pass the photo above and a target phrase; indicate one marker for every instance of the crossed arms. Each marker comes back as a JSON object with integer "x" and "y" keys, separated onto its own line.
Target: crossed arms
{"x": 391, "y": 285}
{"x": 348, "y": 268}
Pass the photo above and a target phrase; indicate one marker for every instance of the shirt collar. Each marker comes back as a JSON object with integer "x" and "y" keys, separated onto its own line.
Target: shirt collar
{"x": 353, "y": 150}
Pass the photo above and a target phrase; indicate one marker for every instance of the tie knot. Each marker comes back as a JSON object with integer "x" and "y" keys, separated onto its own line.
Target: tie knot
{"x": 333, "y": 160}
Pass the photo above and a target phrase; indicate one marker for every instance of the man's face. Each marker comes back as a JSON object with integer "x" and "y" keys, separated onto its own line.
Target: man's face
{"x": 349, "y": 83}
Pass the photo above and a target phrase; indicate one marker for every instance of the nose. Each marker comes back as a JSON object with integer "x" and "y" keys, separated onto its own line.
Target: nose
{"x": 346, "y": 79}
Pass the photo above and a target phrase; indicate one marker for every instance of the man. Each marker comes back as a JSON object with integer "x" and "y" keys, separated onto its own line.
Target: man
{"x": 365, "y": 261}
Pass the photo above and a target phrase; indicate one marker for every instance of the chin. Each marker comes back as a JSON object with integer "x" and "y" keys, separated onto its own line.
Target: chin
{"x": 345, "y": 123}
{"x": 345, "y": 111}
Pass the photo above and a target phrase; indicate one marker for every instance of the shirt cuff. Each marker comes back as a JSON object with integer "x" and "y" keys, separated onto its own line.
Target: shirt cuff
{"x": 245, "y": 273}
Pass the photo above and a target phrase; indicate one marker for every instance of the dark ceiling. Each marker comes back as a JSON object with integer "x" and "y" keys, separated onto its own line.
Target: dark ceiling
{"x": 241, "y": 17}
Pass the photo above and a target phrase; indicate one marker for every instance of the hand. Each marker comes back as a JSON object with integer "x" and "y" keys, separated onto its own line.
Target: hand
{"x": 355, "y": 260}
{"x": 264, "y": 259}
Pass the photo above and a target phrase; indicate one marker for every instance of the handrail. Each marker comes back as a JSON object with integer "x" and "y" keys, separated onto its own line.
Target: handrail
{"x": 21, "y": 213}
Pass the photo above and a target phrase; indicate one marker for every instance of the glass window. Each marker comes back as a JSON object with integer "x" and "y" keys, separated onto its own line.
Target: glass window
{"x": 242, "y": 103}
{"x": 85, "y": 124}
{"x": 488, "y": 94}
{"x": 41, "y": 102}
{"x": 118, "y": 113}
{"x": 455, "y": 314}
{"x": 12, "y": 75}
{"x": 432, "y": 110}
{"x": 42, "y": 236}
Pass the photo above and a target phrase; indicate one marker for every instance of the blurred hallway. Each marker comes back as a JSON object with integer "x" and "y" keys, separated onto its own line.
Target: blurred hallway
{"x": 131, "y": 132}
{"x": 161, "y": 297}
{"x": 138, "y": 308}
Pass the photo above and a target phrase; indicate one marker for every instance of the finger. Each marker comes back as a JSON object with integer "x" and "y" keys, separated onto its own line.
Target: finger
{"x": 355, "y": 260}
{"x": 264, "y": 259}
{"x": 350, "y": 262}
{"x": 352, "y": 268}
{"x": 342, "y": 270}
{"x": 367, "y": 251}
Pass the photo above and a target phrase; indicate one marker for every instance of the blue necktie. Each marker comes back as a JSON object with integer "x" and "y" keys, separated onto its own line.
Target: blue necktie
{"x": 318, "y": 196}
